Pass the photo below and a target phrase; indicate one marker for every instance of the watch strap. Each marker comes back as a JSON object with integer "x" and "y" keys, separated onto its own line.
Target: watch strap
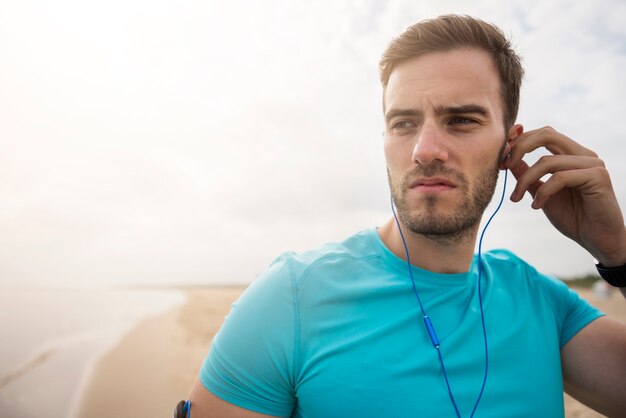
{"x": 615, "y": 276}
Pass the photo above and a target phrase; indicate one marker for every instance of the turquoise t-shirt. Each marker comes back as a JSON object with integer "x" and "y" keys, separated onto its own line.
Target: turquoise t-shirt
{"x": 337, "y": 332}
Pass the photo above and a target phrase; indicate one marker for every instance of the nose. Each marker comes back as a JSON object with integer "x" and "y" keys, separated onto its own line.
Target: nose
{"x": 430, "y": 145}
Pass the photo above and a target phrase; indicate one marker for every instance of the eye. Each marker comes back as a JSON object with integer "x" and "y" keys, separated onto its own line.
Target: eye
{"x": 460, "y": 120}
{"x": 403, "y": 124}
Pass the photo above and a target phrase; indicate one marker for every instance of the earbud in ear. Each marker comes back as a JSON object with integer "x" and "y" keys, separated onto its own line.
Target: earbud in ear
{"x": 505, "y": 156}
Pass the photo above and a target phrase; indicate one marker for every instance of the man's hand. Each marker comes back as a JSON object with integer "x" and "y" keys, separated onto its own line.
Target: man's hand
{"x": 578, "y": 198}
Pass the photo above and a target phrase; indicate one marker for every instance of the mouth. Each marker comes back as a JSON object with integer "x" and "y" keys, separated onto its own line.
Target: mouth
{"x": 432, "y": 184}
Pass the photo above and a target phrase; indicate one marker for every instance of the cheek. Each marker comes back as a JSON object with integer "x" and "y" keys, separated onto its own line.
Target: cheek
{"x": 489, "y": 155}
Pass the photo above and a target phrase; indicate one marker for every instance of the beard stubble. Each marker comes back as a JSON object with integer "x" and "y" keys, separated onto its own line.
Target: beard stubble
{"x": 427, "y": 220}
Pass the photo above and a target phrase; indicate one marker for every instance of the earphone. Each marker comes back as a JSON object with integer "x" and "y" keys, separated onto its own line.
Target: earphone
{"x": 430, "y": 328}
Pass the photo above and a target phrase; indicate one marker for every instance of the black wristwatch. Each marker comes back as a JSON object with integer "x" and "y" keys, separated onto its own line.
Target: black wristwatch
{"x": 615, "y": 276}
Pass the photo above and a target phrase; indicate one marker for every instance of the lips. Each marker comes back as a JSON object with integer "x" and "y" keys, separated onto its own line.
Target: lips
{"x": 432, "y": 183}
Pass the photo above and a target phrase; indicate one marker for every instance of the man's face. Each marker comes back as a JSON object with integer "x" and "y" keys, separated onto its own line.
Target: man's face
{"x": 444, "y": 137}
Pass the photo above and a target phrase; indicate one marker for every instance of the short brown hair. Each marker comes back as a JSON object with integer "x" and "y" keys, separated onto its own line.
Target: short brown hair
{"x": 449, "y": 32}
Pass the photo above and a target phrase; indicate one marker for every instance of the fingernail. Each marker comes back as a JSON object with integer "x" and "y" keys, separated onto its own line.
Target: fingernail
{"x": 535, "y": 205}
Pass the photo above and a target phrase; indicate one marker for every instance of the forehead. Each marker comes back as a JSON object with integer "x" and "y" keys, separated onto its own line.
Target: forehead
{"x": 451, "y": 78}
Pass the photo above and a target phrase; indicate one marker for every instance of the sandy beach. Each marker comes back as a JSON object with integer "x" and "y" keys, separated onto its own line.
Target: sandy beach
{"x": 155, "y": 365}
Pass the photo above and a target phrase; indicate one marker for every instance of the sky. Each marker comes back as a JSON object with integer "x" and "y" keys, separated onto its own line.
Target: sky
{"x": 192, "y": 142}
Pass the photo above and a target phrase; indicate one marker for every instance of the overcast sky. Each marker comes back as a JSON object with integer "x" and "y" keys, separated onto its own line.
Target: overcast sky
{"x": 193, "y": 141}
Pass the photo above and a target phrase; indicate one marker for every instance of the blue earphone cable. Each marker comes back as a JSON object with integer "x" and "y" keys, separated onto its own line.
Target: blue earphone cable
{"x": 427, "y": 321}
{"x": 187, "y": 409}
{"x": 429, "y": 325}
{"x": 480, "y": 296}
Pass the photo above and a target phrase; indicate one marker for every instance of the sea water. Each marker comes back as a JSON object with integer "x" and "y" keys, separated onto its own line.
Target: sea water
{"x": 50, "y": 338}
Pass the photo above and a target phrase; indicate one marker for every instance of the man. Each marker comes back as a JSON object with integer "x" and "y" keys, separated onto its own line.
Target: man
{"x": 354, "y": 330}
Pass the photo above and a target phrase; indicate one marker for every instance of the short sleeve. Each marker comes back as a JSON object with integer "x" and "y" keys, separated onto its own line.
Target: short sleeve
{"x": 250, "y": 363}
{"x": 572, "y": 312}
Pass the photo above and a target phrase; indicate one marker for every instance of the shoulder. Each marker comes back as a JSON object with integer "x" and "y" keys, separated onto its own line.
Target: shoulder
{"x": 504, "y": 264}
{"x": 510, "y": 272}
{"x": 548, "y": 293}
{"x": 503, "y": 258}
{"x": 330, "y": 258}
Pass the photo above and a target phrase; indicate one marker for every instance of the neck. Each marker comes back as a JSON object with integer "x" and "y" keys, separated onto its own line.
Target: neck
{"x": 439, "y": 254}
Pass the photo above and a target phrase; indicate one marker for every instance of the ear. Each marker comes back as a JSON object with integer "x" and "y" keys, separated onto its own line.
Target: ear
{"x": 514, "y": 132}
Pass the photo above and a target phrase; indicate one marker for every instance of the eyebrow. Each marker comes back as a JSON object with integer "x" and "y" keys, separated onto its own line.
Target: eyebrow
{"x": 468, "y": 108}
{"x": 441, "y": 110}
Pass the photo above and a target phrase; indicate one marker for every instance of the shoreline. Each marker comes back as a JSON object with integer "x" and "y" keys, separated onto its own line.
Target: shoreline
{"x": 54, "y": 337}
{"x": 131, "y": 380}
{"x": 155, "y": 364}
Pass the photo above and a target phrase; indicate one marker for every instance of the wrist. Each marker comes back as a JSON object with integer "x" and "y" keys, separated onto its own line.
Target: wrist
{"x": 611, "y": 262}
{"x": 615, "y": 276}
{"x": 616, "y": 256}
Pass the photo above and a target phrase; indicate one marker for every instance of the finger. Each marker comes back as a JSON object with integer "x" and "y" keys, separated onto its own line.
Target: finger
{"x": 518, "y": 171}
{"x": 587, "y": 179}
{"x": 548, "y": 138}
{"x": 550, "y": 164}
